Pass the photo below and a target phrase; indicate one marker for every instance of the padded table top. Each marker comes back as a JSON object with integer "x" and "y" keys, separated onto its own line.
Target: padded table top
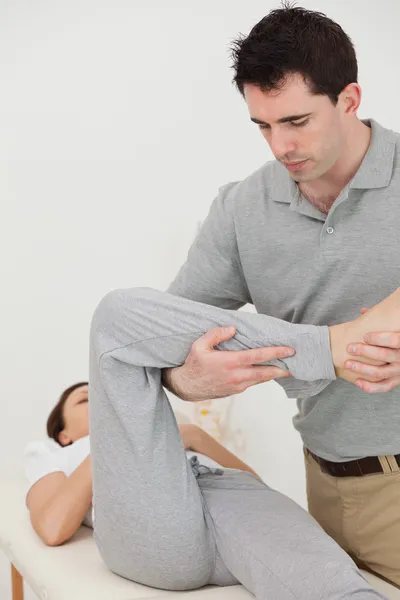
{"x": 76, "y": 570}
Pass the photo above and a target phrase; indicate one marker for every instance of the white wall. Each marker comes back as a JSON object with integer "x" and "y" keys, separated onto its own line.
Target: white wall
{"x": 118, "y": 124}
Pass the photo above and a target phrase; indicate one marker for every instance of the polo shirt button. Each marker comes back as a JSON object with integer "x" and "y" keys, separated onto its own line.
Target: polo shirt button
{"x": 330, "y": 230}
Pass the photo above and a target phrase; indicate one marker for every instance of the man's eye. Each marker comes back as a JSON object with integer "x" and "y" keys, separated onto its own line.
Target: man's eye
{"x": 264, "y": 126}
{"x": 300, "y": 124}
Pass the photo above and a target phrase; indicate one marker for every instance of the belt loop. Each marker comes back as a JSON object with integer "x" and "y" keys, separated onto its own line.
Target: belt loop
{"x": 386, "y": 465}
{"x": 393, "y": 464}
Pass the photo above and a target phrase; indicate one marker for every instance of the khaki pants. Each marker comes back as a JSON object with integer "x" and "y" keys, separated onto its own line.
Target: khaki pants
{"x": 362, "y": 514}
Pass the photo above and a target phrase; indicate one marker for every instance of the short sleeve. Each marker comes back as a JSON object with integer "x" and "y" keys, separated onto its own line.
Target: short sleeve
{"x": 212, "y": 272}
{"x": 41, "y": 458}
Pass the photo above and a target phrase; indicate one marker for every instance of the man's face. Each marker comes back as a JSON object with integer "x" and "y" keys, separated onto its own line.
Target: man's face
{"x": 318, "y": 138}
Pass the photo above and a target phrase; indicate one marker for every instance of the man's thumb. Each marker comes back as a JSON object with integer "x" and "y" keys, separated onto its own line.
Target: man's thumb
{"x": 217, "y": 335}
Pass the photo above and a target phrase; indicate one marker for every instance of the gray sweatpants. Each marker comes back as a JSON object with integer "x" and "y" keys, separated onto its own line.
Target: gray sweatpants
{"x": 164, "y": 521}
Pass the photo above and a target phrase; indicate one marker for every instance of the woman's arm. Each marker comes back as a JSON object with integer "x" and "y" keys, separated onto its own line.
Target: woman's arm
{"x": 58, "y": 504}
{"x": 198, "y": 440}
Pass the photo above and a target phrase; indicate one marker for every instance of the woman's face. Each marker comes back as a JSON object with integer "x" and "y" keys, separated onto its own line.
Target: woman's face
{"x": 76, "y": 417}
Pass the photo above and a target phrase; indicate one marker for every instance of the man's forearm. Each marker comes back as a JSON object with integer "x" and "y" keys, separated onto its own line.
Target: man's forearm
{"x": 169, "y": 379}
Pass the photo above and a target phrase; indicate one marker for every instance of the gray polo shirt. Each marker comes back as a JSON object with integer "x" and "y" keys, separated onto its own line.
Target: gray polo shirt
{"x": 263, "y": 243}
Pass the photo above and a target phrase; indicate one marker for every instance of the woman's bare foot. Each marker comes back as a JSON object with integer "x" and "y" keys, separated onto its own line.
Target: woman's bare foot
{"x": 384, "y": 316}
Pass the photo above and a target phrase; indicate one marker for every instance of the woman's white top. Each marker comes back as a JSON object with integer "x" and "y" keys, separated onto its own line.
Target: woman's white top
{"x": 45, "y": 457}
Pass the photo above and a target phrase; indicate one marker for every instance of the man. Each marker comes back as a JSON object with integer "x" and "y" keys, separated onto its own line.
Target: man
{"x": 311, "y": 238}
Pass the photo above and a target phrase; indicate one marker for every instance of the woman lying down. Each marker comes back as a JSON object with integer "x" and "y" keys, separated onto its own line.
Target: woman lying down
{"x": 164, "y": 517}
{"x": 58, "y": 470}
{"x": 60, "y": 499}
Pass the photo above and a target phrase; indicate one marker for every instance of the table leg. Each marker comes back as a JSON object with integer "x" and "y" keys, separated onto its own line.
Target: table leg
{"x": 17, "y": 584}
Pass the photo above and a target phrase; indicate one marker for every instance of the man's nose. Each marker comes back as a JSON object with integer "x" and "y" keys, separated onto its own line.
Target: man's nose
{"x": 281, "y": 145}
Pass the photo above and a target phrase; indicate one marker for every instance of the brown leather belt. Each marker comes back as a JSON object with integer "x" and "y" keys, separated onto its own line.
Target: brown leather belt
{"x": 353, "y": 468}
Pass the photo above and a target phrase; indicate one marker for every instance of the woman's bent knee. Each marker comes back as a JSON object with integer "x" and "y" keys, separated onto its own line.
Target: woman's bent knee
{"x": 119, "y": 317}
{"x": 175, "y": 568}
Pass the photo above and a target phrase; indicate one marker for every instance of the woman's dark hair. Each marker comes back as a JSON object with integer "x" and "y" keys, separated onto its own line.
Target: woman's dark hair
{"x": 295, "y": 40}
{"x": 55, "y": 422}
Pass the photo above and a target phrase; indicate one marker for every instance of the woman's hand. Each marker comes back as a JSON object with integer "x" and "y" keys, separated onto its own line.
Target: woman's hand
{"x": 191, "y": 436}
{"x": 198, "y": 440}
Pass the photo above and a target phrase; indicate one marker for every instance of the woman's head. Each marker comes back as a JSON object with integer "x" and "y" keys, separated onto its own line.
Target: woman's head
{"x": 69, "y": 419}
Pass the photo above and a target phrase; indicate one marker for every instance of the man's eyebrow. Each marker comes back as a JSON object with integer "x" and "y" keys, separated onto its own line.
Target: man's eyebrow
{"x": 283, "y": 119}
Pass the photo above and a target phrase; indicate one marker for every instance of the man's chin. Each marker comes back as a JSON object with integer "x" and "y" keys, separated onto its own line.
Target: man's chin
{"x": 303, "y": 176}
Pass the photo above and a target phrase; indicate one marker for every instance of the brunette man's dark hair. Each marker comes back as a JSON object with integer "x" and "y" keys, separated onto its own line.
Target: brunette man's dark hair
{"x": 293, "y": 40}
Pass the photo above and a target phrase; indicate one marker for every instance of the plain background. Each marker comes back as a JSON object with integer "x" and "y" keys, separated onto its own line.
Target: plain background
{"x": 118, "y": 124}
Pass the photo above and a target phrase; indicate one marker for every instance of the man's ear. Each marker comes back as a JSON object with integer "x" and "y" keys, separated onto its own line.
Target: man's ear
{"x": 63, "y": 438}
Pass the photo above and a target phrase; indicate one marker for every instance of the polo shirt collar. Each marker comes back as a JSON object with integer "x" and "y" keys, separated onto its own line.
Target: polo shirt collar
{"x": 375, "y": 170}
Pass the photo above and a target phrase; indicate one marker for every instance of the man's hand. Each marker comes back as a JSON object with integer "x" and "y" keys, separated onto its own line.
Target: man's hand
{"x": 383, "y": 346}
{"x": 380, "y": 372}
{"x": 208, "y": 373}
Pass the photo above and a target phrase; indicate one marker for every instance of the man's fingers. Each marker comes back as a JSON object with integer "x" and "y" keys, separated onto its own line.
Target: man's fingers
{"x": 374, "y": 373}
{"x": 244, "y": 378}
{"x": 388, "y": 339}
{"x": 378, "y": 388}
{"x": 266, "y": 373}
{"x": 271, "y": 374}
{"x": 383, "y": 354}
{"x": 261, "y": 355}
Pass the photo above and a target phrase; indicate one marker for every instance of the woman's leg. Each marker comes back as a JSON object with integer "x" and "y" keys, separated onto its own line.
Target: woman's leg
{"x": 150, "y": 523}
{"x": 149, "y": 519}
{"x": 274, "y": 547}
